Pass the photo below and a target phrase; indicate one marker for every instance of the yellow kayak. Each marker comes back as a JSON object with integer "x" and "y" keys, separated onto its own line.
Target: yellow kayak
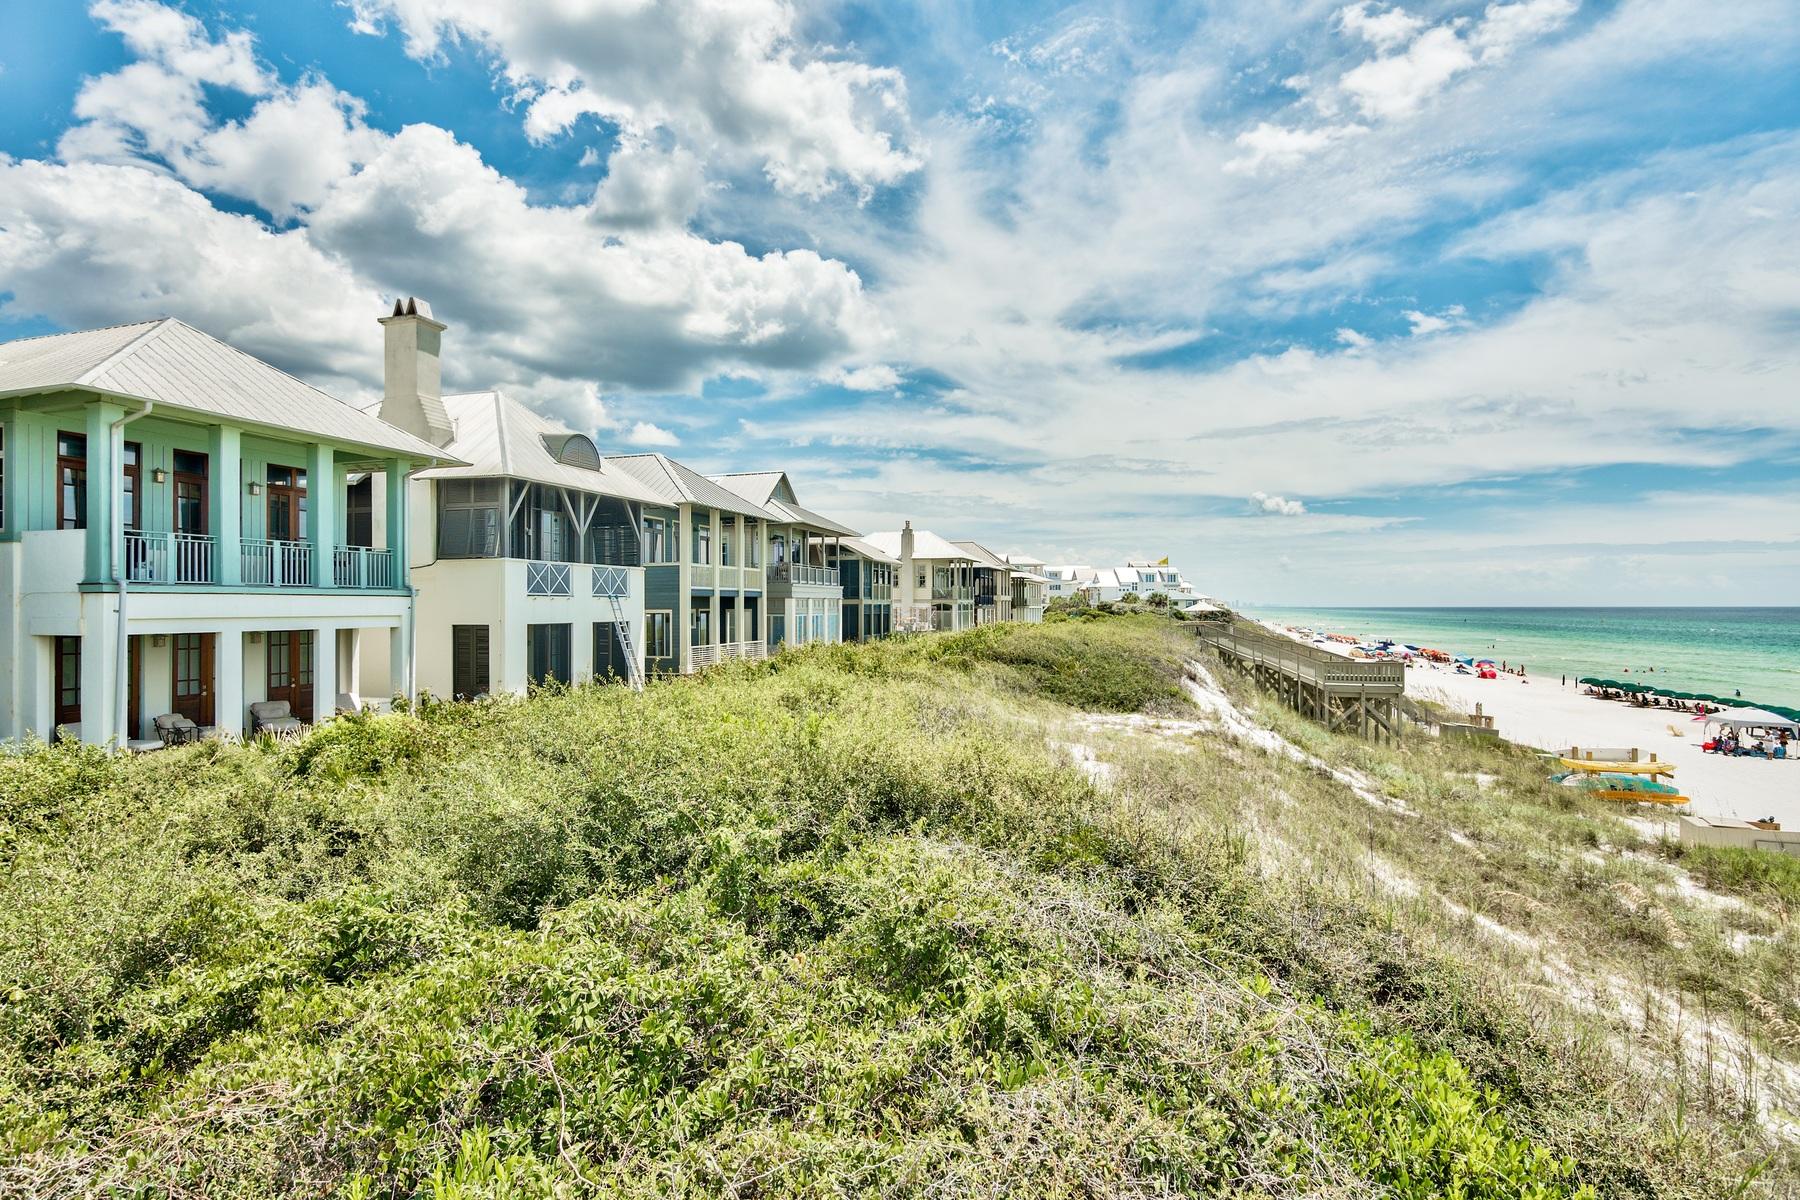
{"x": 1618, "y": 768}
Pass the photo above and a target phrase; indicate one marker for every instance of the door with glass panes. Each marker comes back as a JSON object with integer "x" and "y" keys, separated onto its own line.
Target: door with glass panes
{"x": 291, "y": 669}
{"x": 191, "y": 684}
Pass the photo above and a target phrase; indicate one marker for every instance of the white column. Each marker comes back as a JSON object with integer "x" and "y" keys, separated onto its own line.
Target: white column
{"x": 229, "y": 709}
{"x": 400, "y": 658}
{"x": 350, "y": 662}
{"x": 99, "y": 668}
{"x": 324, "y": 673}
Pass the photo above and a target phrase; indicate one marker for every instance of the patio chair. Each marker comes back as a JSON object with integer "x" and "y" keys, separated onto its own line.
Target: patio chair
{"x": 276, "y": 717}
{"x": 175, "y": 730}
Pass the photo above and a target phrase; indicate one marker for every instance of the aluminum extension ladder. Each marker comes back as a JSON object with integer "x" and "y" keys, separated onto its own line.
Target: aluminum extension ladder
{"x": 634, "y": 671}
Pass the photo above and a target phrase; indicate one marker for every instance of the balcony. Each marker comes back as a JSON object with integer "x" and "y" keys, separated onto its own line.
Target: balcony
{"x": 362, "y": 567}
{"x": 275, "y": 563}
{"x": 802, "y": 573}
{"x": 152, "y": 557}
{"x": 717, "y": 652}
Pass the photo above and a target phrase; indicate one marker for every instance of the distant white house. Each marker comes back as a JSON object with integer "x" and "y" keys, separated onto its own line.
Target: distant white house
{"x": 1141, "y": 578}
{"x": 1030, "y": 587}
{"x": 934, "y": 585}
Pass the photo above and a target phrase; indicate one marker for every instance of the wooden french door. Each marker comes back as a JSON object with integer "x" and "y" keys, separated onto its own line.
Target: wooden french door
{"x": 291, "y": 669}
{"x": 191, "y": 514}
{"x": 287, "y": 504}
{"x": 67, "y": 652}
{"x": 191, "y": 688}
{"x": 134, "y": 691}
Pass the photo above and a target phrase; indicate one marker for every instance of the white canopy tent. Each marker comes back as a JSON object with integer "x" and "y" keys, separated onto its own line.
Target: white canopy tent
{"x": 1752, "y": 718}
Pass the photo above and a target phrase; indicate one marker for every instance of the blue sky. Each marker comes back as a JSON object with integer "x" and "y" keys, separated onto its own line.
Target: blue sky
{"x": 1332, "y": 303}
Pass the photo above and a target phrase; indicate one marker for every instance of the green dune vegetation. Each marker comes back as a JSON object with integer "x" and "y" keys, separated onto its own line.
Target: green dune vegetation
{"x": 999, "y": 913}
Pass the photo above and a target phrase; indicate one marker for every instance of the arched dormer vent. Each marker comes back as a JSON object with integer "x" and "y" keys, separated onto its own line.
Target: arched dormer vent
{"x": 573, "y": 450}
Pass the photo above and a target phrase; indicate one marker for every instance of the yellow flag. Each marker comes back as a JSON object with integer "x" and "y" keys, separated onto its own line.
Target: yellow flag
{"x": 1164, "y": 562}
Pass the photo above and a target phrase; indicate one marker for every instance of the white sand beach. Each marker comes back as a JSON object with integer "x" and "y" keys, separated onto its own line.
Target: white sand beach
{"x": 1543, "y": 712}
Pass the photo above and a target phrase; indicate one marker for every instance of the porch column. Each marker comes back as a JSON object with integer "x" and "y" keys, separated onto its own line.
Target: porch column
{"x": 103, "y": 482}
{"x": 400, "y": 657}
{"x": 324, "y": 673}
{"x": 225, "y": 502}
{"x": 719, "y": 578}
{"x": 99, "y": 660}
{"x": 397, "y": 530}
{"x": 323, "y": 497}
{"x": 228, "y": 677}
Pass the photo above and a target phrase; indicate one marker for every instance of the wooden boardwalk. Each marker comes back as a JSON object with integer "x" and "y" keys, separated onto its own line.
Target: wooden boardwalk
{"x": 1359, "y": 695}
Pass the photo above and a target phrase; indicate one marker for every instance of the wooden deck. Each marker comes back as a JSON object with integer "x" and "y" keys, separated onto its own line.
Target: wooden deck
{"x": 1360, "y": 695}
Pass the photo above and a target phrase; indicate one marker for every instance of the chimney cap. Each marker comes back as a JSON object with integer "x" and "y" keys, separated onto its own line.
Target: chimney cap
{"x": 412, "y": 306}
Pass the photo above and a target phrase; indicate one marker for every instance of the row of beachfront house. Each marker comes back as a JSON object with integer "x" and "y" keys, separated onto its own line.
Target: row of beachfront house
{"x": 191, "y": 539}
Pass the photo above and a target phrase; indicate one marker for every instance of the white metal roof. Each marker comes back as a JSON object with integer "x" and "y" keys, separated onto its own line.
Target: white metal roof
{"x": 760, "y": 486}
{"x": 495, "y": 435}
{"x": 982, "y": 555}
{"x": 868, "y": 549}
{"x": 775, "y": 492}
{"x": 178, "y": 366}
{"x": 672, "y": 483}
{"x": 926, "y": 544}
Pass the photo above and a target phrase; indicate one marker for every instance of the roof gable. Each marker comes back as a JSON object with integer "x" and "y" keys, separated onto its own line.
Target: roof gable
{"x": 676, "y": 483}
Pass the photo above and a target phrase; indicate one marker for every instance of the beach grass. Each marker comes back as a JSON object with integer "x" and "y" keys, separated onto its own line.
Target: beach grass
{"x": 997, "y": 913}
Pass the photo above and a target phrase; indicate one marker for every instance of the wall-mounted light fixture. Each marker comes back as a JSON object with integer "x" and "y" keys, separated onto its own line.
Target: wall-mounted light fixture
{"x": 255, "y": 637}
{"x": 159, "y": 639}
{"x": 158, "y": 475}
{"x": 255, "y": 488}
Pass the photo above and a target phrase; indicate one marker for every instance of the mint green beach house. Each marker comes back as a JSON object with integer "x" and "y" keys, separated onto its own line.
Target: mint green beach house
{"x": 187, "y": 530}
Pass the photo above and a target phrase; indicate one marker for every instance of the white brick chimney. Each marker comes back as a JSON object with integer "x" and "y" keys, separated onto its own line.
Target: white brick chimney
{"x": 412, "y": 392}
{"x": 906, "y": 565}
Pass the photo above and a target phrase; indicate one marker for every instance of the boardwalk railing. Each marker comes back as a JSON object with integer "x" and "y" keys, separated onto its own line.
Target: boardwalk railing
{"x": 1342, "y": 693}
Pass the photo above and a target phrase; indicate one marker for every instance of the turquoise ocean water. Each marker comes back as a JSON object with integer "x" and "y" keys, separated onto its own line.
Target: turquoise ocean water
{"x": 1716, "y": 650}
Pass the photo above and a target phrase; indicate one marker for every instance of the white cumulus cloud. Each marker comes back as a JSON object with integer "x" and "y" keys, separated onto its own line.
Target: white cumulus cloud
{"x": 643, "y": 433}
{"x": 1264, "y": 504}
{"x": 728, "y": 79}
{"x": 875, "y": 378}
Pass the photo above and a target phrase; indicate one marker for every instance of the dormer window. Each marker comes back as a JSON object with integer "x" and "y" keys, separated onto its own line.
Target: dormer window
{"x": 573, "y": 450}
